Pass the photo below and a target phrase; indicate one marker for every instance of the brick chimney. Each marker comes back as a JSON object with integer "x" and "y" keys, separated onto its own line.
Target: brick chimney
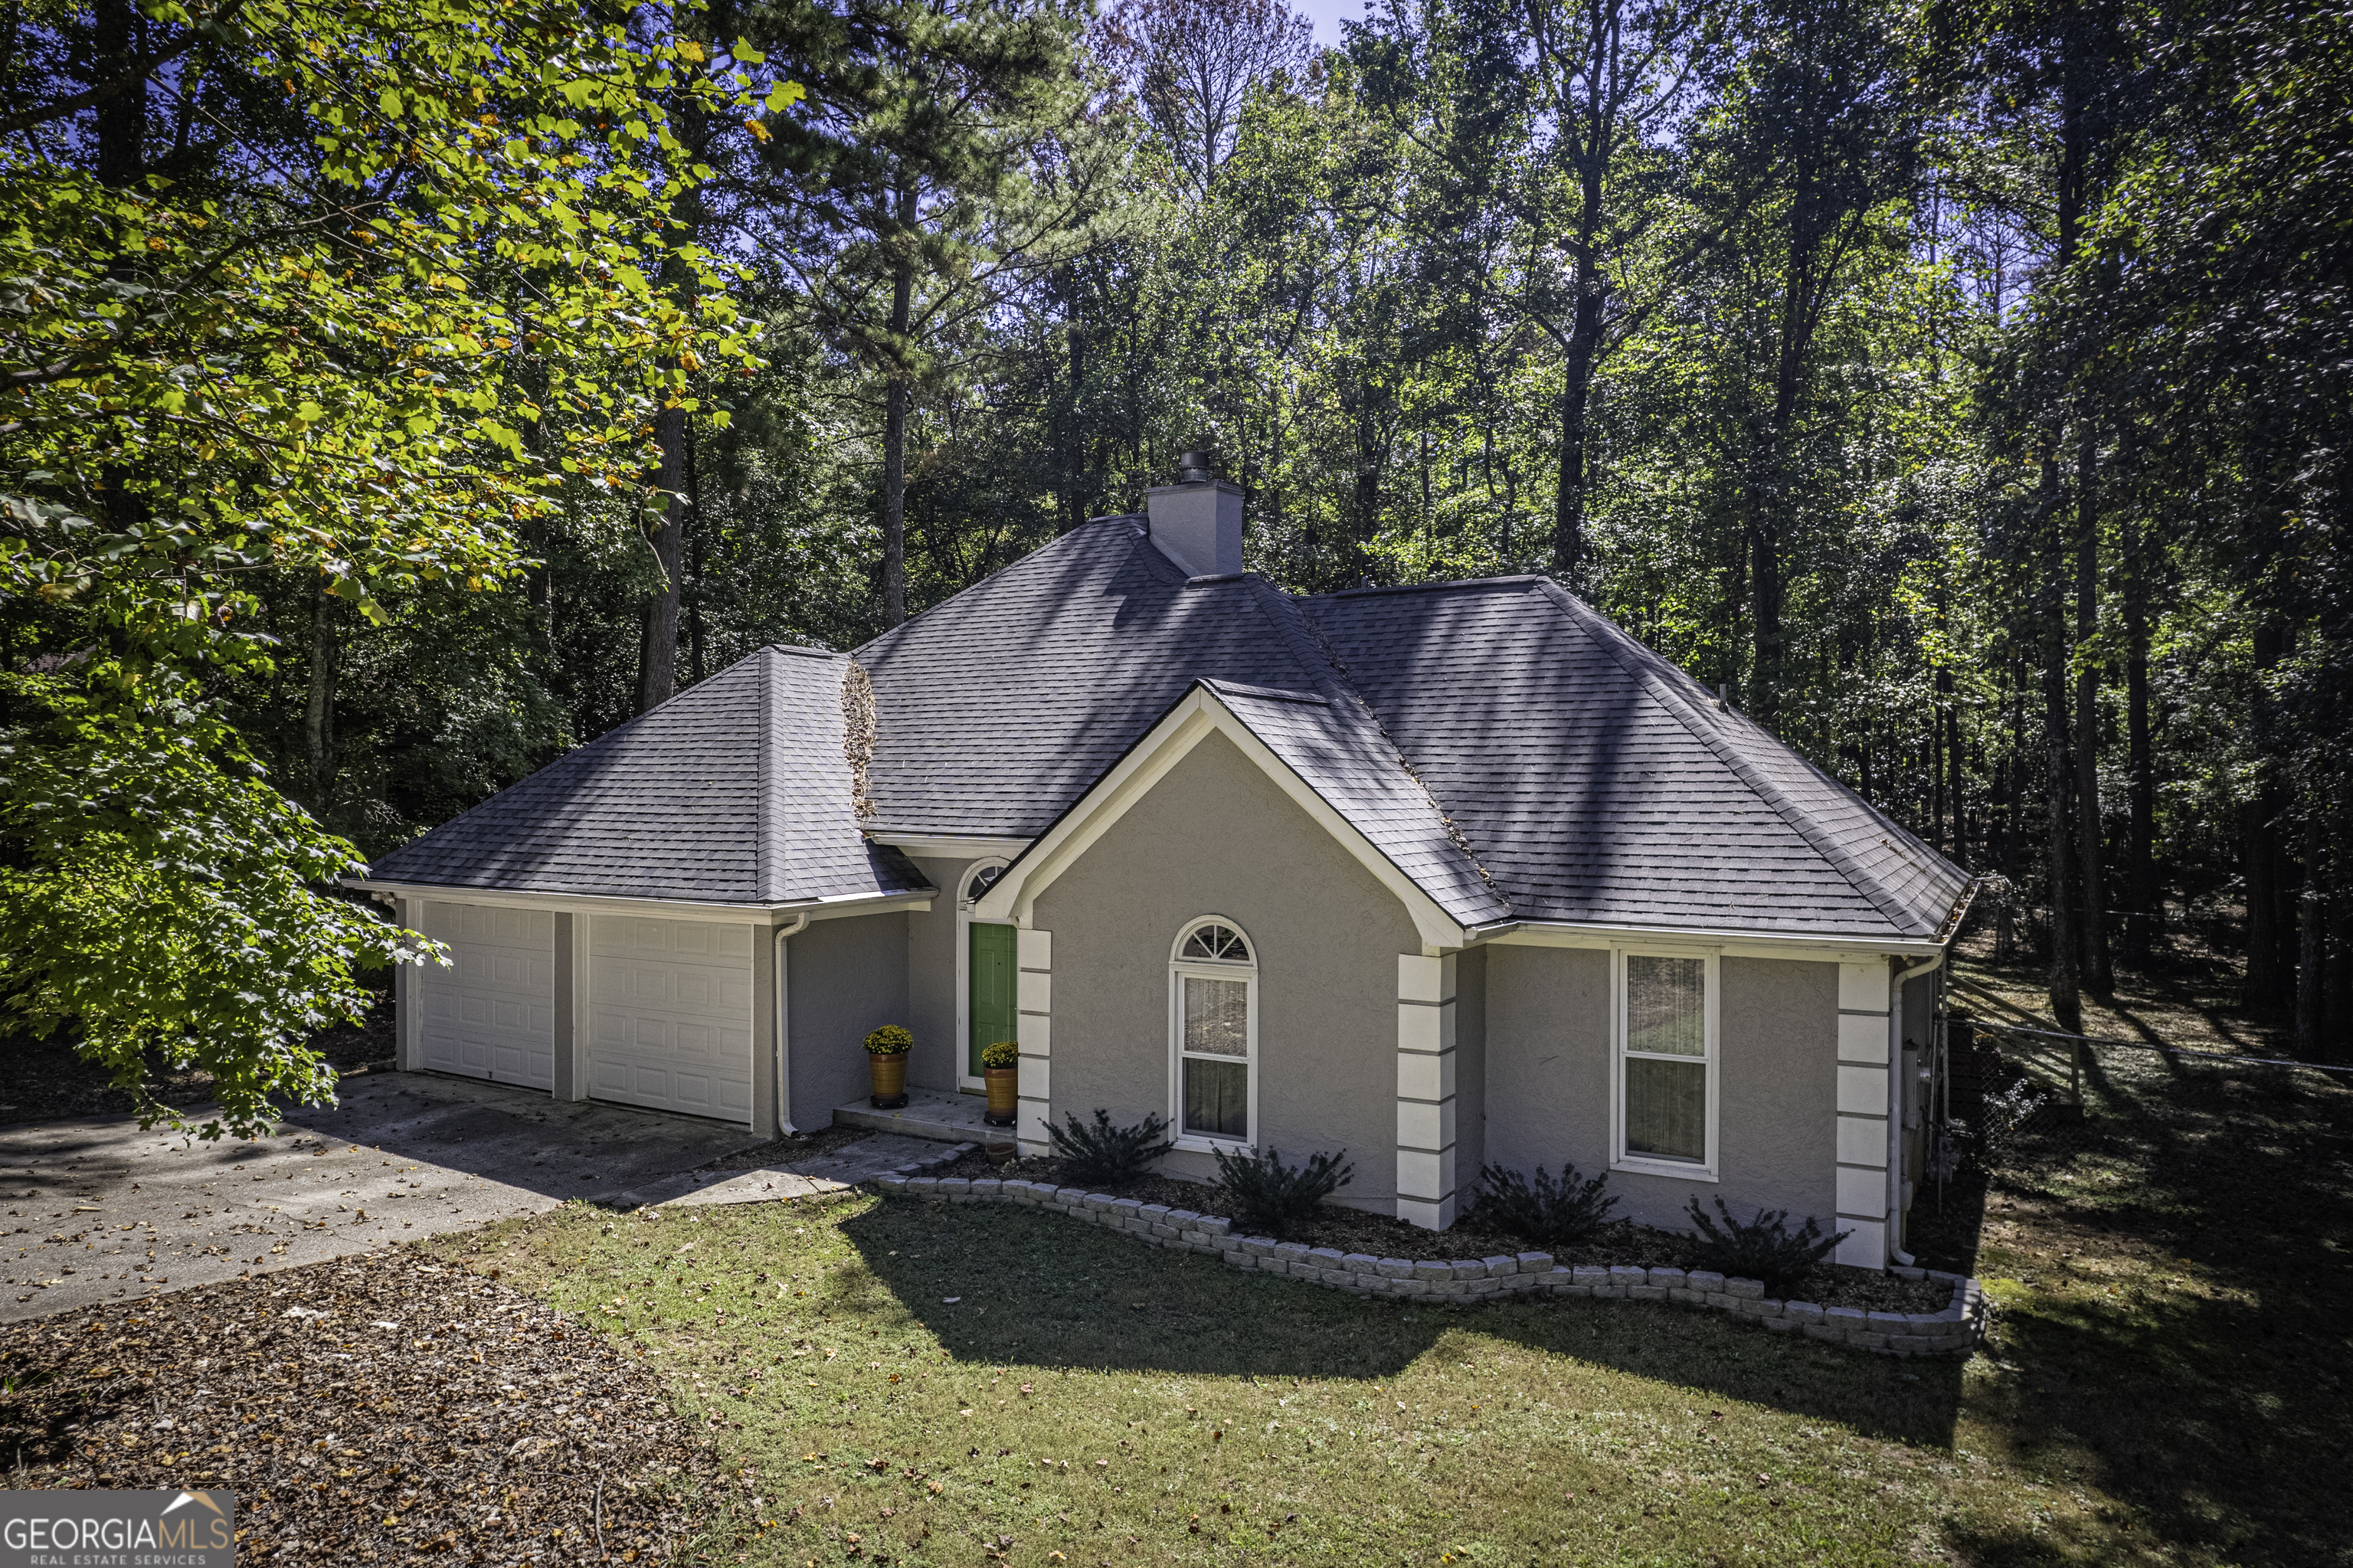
{"x": 1198, "y": 521}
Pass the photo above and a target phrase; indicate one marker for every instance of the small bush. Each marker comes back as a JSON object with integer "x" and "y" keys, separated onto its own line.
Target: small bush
{"x": 1106, "y": 1154}
{"x": 1272, "y": 1196}
{"x": 888, "y": 1041}
{"x": 1550, "y": 1213}
{"x": 1762, "y": 1248}
{"x": 1000, "y": 1054}
{"x": 2005, "y": 1119}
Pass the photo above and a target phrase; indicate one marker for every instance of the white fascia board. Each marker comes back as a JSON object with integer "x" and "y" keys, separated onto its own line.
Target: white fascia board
{"x": 1732, "y": 943}
{"x": 949, "y": 846}
{"x": 1189, "y": 723}
{"x": 839, "y": 906}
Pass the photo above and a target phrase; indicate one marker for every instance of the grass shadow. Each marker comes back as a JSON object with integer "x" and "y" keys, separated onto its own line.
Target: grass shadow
{"x": 2177, "y": 1333}
{"x": 1001, "y": 1285}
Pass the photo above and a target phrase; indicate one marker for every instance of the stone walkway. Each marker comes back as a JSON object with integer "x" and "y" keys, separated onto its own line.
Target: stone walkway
{"x": 883, "y": 1154}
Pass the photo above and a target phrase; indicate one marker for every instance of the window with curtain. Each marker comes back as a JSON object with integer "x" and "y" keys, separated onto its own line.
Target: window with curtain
{"x": 1666, "y": 1059}
{"x": 1210, "y": 983}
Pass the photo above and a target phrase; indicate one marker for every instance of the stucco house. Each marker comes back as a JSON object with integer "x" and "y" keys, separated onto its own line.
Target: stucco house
{"x": 1444, "y": 876}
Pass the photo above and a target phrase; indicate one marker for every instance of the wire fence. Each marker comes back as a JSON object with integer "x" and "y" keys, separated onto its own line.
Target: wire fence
{"x": 2020, "y": 1093}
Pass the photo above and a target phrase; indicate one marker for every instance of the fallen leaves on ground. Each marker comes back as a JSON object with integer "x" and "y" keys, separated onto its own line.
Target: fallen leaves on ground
{"x": 373, "y": 1407}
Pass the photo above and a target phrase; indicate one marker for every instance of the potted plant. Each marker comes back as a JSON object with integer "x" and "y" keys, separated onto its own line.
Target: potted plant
{"x": 1000, "y": 1063}
{"x": 886, "y": 1058}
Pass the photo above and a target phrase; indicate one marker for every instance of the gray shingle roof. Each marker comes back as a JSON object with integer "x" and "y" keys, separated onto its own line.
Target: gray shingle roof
{"x": 1514, "y": 753}
{"x": 1598, "y": 783}
{"x": 997, "y": 708}
{"x": 734, "y": 791}
{"x": 1338, "y": 747}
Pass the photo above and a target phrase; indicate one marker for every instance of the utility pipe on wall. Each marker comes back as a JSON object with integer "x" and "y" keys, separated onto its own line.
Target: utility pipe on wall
{"x": 1896, "y": 1101}
{"x": 784, "y": 1028}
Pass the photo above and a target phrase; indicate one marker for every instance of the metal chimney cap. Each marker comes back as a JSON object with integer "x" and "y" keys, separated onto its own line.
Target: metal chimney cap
{"x": 1194, "y": 467}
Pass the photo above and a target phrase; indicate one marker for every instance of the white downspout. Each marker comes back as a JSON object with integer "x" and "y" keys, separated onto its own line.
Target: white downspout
{"x": 784, "y": 1127}
{"x": 1895, "y": 1100}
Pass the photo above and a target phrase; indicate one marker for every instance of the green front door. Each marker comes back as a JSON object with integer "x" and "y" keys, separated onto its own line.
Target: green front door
{"x": 995, "y": 980}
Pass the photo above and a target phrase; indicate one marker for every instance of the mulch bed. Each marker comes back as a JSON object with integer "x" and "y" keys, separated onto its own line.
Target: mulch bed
{"x": 46, "y": 1081}
{"x": 1352, "y": 1230}
{"x": 367, "y": 1409}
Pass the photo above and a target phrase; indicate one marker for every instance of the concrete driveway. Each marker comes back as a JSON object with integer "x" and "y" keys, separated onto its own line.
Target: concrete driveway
{"x": 98, "y": 1211}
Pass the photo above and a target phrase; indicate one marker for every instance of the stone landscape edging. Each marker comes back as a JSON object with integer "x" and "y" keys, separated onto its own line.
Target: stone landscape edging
{"x": 1957, "y": 1328}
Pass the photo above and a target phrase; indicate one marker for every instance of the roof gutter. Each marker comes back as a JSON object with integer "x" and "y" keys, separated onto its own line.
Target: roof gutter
{"x": 1603, "y": 934}
{"x": 836, "y": 906}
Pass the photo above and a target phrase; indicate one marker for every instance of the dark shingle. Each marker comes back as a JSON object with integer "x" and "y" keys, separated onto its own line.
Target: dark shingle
{"x": 736, "y": 791}
{"x": 1339, "y": 751}
{"x": 1598, "y": 783}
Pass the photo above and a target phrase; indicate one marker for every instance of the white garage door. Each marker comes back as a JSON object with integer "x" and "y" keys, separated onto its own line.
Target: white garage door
{"x": 491, "y": 1014}
{"x": 670, "y": 1015}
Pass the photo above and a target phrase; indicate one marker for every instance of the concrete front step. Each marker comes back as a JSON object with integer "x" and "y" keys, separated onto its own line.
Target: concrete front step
{"x": 928, "y": 1113}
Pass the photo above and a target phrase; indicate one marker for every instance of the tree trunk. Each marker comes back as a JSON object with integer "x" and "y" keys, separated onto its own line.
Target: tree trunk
{"x": 2337, "y": 1007}
{"x": 2097, "y": 975}
{"x": 1576, "y": 392}
{"x": 1769, "y": 498}
{"x": 2311, "y": 921}
{"x": 1937, "y": 758}
{"x": 2312, "y": 951}
{"x": 698, "y": 549}
{"x": 674, "y": 479}
{"x": 1079, "y": 501}
{"x": 1953, "y": 766}
{"x": 2066, "y": 1001}
{"x": 1765, "y": 613}
{"x": 894, "y": 459}
{"x": 2267, "y": 980}
{"x": 657, "y": 650}
{"x": 2144, "y": 897}
{"x": 121, "y": 120}
{"x": 318, "y": 708}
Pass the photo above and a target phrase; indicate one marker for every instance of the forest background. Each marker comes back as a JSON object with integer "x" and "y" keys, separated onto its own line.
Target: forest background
{"x": 401, "y": 392}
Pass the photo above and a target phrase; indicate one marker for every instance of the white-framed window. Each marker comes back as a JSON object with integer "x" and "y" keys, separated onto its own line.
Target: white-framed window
{"x": 1665, "y": 1064}
{"x": 1213, "y": 1034}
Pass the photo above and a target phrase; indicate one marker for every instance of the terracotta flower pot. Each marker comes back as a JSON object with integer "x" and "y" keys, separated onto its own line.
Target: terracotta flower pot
{"x": 890, "y": 1079}
{"x": 1004, "y": 1095}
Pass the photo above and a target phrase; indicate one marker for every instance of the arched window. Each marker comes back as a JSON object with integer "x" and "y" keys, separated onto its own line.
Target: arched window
{"x": 982, "y": 881}
{"x": 1213, "y": 1032}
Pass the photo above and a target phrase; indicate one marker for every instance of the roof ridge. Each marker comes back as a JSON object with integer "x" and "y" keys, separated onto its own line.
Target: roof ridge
{"x": 1135, "y": 531}
{"x": 768, "y": 844}
{"x": 1512, "y": 579}
{"x": 1309, "y": 644}
{"x": 1617, "y": 643}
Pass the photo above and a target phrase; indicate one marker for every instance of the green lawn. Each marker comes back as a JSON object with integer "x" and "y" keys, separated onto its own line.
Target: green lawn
{"x": 899, "y": 1381}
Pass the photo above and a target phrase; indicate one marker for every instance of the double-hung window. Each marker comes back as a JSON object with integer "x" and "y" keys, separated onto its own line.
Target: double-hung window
{"x": 1666, "y": 1062}
{"x": 1213, "y": 1028}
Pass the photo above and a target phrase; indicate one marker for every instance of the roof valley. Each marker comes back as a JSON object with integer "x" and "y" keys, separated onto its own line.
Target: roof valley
{"x": 1315, "y": 651}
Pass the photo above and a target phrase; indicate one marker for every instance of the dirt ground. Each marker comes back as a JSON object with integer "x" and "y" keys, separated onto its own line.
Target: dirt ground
{"x": 373, "y": 1408}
